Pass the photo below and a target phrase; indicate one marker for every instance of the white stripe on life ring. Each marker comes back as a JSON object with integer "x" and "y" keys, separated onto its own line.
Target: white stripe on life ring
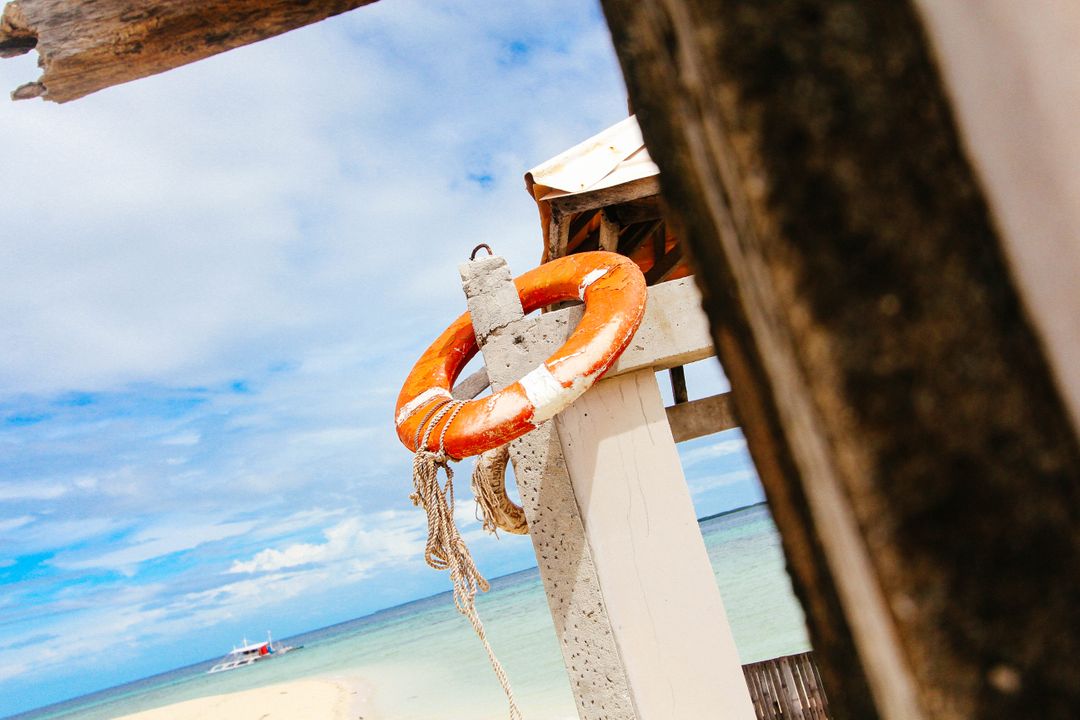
{"x": 413, "y": 405}
{"x": 546, "y": 394}
{"x": 589, "y": 279}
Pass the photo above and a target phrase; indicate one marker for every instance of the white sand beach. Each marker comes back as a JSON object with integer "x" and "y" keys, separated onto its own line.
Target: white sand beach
{"x": 322, "y": 698}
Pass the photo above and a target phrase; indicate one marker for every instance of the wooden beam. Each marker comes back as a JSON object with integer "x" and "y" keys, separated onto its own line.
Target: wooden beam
{"x": 698, "y": 418}
{"x": 88, "y": 46}
{"x": 665, "y": 264}
{"x": 472, "y": 385}
{"x": 609, "y": 232}
{"x": 579, "y": 202}
{"x": 636, "y": 211}
{"x": 558, "y": 235}
{"x": 632, "y": 237}
{"x": 678, "y": 384}
{"x": 914, "y": 448}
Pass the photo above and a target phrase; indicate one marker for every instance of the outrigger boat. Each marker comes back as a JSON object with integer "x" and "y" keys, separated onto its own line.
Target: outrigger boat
{"x": 251, "y": 653}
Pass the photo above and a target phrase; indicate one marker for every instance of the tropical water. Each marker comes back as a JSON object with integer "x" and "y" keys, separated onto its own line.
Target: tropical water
{"x": 421, "y": 660}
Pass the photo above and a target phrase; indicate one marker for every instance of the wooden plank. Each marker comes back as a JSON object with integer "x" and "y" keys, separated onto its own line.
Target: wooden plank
{"x": 796, "y": 693}
{"x": 579, "y": 202}
{"x": 755, "y": 692}
{"x": 636, "y": 211}
{"x": 472, "y": 386}
{"x": 609, "y": 232}
{"x": 578, "y": 232}
{"x": 512, "y": 345}
{"x": 772, "y": 691}
{"x": 636, "y": 235}
{"x": 667, "y": 616}
{"x": 806, "y": 695}
{"x": 783, "y": 692}
{"x": 819, "y": 688}
{"x": 787, "y": 688}
{"x": 764, "y": 707}
{"x": 558, "y": 235}
{"x": 678, "y": 384}
{"x": 880, "y": 353}
{"x": 698, "y": 418}
{"x": 665, "y": 265}
{"x": 88, "y": 46}
{"x": 780, "y": 689}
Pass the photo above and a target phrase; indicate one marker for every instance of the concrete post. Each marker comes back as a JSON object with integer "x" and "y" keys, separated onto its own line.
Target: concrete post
{"x": 513, "y": 345}
{"x": 636, "y": 608}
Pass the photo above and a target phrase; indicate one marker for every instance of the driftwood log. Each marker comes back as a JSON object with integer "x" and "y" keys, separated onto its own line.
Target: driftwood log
{"x": 84, "y": 47}
{"x": 913, "y": 445}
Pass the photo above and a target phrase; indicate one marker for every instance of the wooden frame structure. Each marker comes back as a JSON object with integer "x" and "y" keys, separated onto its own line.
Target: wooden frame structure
{"x": 888, "y": 262}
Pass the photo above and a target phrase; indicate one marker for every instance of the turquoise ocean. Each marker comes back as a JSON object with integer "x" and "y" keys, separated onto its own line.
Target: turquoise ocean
{"x": 422, "y": 661}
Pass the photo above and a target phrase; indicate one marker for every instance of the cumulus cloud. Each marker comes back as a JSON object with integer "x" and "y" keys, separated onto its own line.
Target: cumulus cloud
{"x": 395, "y": 540}
{"x": 728, "y": 447}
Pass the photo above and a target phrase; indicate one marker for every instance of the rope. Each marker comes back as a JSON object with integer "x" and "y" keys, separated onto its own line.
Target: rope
{"x": 496, "y": 510}
{"x": 446, "y": 549}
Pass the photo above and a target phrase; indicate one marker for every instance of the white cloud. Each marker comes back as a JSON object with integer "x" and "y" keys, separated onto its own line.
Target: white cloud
{"x": 184, "y": 439}
{"x": 9, "y": 669}
{"x": 157, "y": 240}
{"x": 699, "y": 485}
{"x": 392, "y": 540}
{"x": 216, "y": 602}
{"x": 30, "y": 490}
{"x": 175, "y": 535}
{"x": 51, "y": 533}
{"x": 719, "y": 449}
{"x": 15, "y": 522}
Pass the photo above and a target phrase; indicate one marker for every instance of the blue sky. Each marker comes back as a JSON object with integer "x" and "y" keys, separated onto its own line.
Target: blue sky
{"x": 214, "y": 282}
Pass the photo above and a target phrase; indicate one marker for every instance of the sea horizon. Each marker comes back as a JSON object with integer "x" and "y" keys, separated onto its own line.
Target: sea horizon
{"x": 79, "y": 705}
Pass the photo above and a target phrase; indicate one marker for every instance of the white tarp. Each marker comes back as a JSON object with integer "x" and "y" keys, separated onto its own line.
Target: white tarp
{"x": 613, "y": 157}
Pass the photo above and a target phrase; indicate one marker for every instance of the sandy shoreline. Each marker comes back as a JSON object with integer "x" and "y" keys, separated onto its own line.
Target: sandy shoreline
{"x": 307, "y": 699}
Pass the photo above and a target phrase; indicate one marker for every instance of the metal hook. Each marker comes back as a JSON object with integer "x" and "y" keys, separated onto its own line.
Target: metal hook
{"x": 477, "y": 249}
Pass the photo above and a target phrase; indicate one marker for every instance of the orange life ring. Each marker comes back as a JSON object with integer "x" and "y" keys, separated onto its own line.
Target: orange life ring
{"x": 614, "y": 293}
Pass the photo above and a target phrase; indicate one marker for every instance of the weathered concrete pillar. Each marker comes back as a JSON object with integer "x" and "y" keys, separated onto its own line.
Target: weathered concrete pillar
{"x": 513, "y": 345}
{"x": 636, "y": 607}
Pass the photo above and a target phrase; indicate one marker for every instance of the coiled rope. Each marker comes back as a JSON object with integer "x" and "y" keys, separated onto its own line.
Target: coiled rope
{"x": 446, "y": 549}
{"x": 496, "y": 510}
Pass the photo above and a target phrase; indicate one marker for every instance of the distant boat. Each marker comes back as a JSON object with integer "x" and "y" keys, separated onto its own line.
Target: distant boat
{"x": 251, "y": 653}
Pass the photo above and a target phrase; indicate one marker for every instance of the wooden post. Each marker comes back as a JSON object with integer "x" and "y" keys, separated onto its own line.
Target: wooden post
{"x": 609, "y": 233}
{"x": 88, "y": 46}
{"x": 628, "y": 579}
{"x": 897, "y": 402}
